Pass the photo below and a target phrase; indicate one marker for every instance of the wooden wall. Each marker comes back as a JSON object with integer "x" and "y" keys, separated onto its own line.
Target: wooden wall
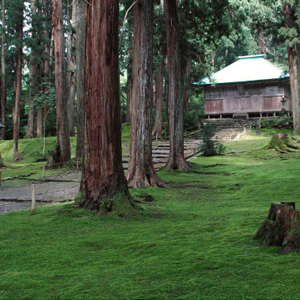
{"x": 246, "y": 98}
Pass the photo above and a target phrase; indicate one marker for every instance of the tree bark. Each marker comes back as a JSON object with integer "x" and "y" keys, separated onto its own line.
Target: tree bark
{"x": 175, "y": 105}
{"x": 30, "y": 120}
{"x": 80, "y": 24}
{"x": 186, "y": 90}
{"x": 103, "y": 184}
{"x": 141, "y": 172}
{"x": 39, "y": 75}
{"x": 159, "y": 79}
{"x": 281, "y": 228}
{"x": 47, "y": 69}
{"x": 71, "y": 60}
{"x": 3, "y": 88}
{"x": 261, "y": 42}
{"x": 129, "y": 74}
{"x": 63, "y": 152}
{"x": 16, "y": 114}
{"x": 294, "y": 65}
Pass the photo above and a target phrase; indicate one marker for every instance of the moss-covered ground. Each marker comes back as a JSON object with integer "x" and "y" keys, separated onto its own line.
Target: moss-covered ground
{"x": 194, "y": 241}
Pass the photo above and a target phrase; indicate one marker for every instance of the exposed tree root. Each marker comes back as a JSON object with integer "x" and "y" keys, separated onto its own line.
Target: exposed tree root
{"x": 144, "y": 178}
{"x": 282, "y": 143}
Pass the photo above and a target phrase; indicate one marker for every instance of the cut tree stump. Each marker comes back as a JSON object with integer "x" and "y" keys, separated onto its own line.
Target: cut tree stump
{"x": 281, "y": 228}
{"x": 282, "y": 143}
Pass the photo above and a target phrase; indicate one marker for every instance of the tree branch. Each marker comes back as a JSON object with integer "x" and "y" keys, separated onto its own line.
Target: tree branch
{"x": 125, "y": 17}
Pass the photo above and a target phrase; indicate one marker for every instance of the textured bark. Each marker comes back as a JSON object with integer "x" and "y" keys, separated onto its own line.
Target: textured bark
{"x": 16, "y": 114}
{"x": 80, "y": 25}
{"x": 159, "y": 79}
{"x": 103, "y": 184}
{"x": 39, "y": 75}
{"x": 261, "y": 42}
{"x": 63, "y": 153}
{"x": 3, "y": 88}
{"x": 141, "y": 171}
{"x": 47, "y": 69}
{"x": 39, "y": 122}
{"x": 281, "y": 228}
{"x": 186, "y": 89}
{"x": 294, "y": 65}
{"x": 30, "y": 120}
{"x": 175, "y": 104}
{"x": 71, "y": 61}
{"x": 129, "y": 72}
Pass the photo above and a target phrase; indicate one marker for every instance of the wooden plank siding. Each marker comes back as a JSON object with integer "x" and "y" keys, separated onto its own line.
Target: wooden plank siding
{"x": 246, "y": 98}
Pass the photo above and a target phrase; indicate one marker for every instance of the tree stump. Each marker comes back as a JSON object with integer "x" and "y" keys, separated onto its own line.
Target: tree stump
{"x": 282, "y": 143}
{"x": 281, "y": 228}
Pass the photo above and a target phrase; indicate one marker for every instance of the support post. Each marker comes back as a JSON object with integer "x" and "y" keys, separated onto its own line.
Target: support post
{"x": 44, "y": 170}
{"x": 32, "y": 196}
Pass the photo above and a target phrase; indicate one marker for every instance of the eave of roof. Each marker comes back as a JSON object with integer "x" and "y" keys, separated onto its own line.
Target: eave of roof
{"x": 246, "y": 69}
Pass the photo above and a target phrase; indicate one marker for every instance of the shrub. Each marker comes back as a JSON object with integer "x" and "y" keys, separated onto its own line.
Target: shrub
{"x": 210, "y": 147}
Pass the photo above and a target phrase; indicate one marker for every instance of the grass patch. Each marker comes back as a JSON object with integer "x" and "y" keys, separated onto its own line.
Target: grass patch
{"x": 194, "y": 241}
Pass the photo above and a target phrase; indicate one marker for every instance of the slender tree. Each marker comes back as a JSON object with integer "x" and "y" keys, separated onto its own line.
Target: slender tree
{"x": 80, "y": 25}
{"x": 3, "y": 88}
{"x": 16, "y": 113}
{"x": 71, "y": 61}
{"x": 30, "y": 120}
{"x": 293, "y": 50}
{"x": 159, "y": 78}
{"x": 103, "y": 184}
{"x": 176, "y": 156}
{"x": 63, "y": 152}
{"x": 141, "y": 171}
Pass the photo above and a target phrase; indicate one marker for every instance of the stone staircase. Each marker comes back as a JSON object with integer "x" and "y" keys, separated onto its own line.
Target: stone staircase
{"x": 160, "y": 152}
{"x": 230, "y": 129}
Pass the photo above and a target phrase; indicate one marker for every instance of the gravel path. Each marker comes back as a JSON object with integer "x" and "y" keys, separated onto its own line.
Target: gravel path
{"x": 62, "y": 188}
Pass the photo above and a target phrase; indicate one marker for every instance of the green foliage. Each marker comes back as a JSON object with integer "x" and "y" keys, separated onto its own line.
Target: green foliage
{"x": 209, "y": 146}
{"x": 195, "y": 114}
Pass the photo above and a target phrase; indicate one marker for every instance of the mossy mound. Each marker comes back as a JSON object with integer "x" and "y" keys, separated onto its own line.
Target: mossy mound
{"x": 282, "y": 143}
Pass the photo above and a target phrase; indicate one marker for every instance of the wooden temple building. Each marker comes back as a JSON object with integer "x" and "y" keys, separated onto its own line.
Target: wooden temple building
{"x": 250, "y": 87}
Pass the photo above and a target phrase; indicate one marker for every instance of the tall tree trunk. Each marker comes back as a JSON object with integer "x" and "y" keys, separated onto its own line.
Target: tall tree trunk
{"x": 71, "y": 70}
{"x": 129, "y": 73}
{"x": 186, "y": 89}
{"x": 39, "y": 75}
{"x": 103, "y": 184}
{"x": 159, "y": 79}
{"x": 47, "y": 70}
{"x": 16, "y": 114}
{"x": 261, "y": 42}
{"x": 80, "y": 24}
{"x": 39, "y": 114}
{"x": 3, "y": 88}
{"x": 176, "y": 156}
{"x": 39, "y": 122}
{"x": 30, "y": 120}
{"x": 141, "y": 171}
{"x": 294, "y": 65}
{"x": 63, "y": 152}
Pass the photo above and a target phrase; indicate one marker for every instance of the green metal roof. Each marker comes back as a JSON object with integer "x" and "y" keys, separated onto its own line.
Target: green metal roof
{"x": 247, "y": 68}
